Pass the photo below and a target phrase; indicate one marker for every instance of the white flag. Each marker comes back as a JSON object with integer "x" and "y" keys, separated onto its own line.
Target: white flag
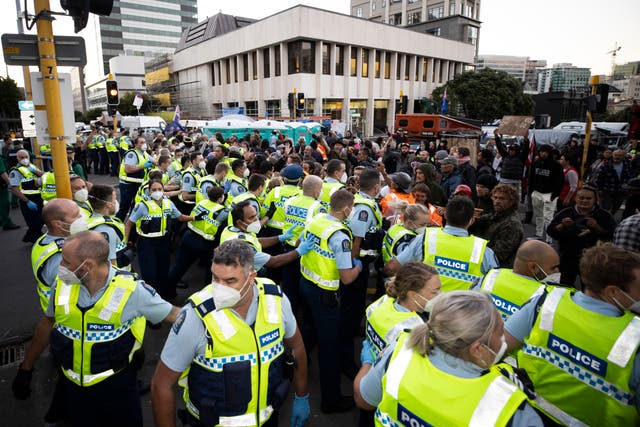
{"x": 137, "y": 101}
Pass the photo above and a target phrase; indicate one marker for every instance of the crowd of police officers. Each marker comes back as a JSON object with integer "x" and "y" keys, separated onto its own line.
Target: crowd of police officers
{"x": 289, "y": 246}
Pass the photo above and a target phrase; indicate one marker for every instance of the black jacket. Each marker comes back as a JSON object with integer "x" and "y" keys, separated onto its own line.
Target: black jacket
{"x": 546, "y": 176}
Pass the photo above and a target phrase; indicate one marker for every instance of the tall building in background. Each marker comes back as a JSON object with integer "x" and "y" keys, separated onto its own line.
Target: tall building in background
{"x": 457, "y": 20}
{"x": 520, "y": 67}
{"x": 563, "y": 77}
{"x": 145, "y": 28}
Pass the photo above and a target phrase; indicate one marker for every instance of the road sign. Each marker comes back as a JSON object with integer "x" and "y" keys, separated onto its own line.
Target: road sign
{"x": 28, "y": 123}
{"x": 22, "y": 49}
{"x": 66, "y": 101}
{"x": 25, "y": 105}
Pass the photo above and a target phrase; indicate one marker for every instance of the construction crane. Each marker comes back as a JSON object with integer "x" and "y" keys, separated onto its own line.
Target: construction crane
{"x": 613, "y": 54}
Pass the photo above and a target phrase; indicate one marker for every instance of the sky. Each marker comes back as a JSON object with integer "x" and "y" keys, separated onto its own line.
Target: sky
{"x": 580, "y": 32}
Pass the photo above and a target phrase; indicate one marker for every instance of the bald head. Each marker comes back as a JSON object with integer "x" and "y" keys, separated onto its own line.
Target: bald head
{"x": 58, "y": 215}
{"x": 87, "y": 245}
{"x": 312, "y": 186}
{"x": 534, "y": 256}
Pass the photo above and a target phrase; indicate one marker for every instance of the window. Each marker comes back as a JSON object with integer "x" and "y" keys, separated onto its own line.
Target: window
{"x": 373, "y": 4}
{"x": 265, "y": 62}
{"x": 213, "y": 74}
{"x": 273, "y": 108}
{"x": 452, "y": 9}
{"x": 227, "y": 64}
{"x": 403, "y": 122}
{"x": 417, "y": 69}
{"x": 384, "y": 3}
{"x": 434, "y": 31}
{"x": 254, "y": 58}
{"x": 326, "y": 58}
{"x": 387, "y": 65}
{"x": 469, "y": 11}
{"x": 398, "y": 65}
{"x": 427, "y": 123}
{"x": 376, "y": 65}
{"x": 365, "y": 62}
{"x": 414, "y": 17}
{"x": 353, "y": 69}
{"x": 278, "y": 70}
{"x": 339, "y": 60}
{"x": 472, "y": 35}
{"x": 424, "y": 69}
{"x": 435, "y": 13}
{"x": 302, "y": 58}
{"x": 395, "y": 19}
{"x": 245, "y": 67}
{"x": 251, "y": 108}
{"x": 407, "y": 66}
{"x": 235, "y": 69}
{"x": 359, "y": 12}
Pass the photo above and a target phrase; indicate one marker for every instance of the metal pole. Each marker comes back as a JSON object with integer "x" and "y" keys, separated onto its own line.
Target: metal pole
{"x": 295, "y": 103}
{"x": 53, "y": 105}
{"x": 25, "y": 69}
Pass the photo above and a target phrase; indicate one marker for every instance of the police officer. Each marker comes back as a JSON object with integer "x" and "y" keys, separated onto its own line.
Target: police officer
{"x": 132, "y": 174}
{"x": 216, "y": 177}
{"x": 103, "y": 158}
{"x": 176, "y": 163}
{"x": 80, "y": 195}
{"x": 23, "y": 183}
{"x": 95, "y": 322}
{"x": 336, "y": 179}
{"x": 124, "y": 143}
{"x": 255, "y": 187}
{"x": 246, "y": 226}
{"x": 234, "y": 331}
{"x": 299, "y": 211}
{"x": 94, "y": 158}
{"x": 585, "y": 341}
{"x": 323, "y": 269}
{"x": 201, "y": 237}
{"x": 536, "y": 264}
{"x": 365, "y": 224}
{"x": 191, "y": 176}
{"x": 416, "y": 220}
{"x": 237, "y": 178}
{"x": 276, "y": 198}
{"x": 58, "y": 216}
{"x": 111, "y": 146}
{"x": 151, "y": 220}
{"x": 459, "y": 257}
{"x": 452, "y": 359}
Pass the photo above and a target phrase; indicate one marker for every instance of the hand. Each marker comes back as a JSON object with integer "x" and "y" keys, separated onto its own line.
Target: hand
{"x": 148, "y": 164}
{"x": 300, "y": 411}
{"x": 304, "y": 247}
{"x": 357, "y": 263}
{"x": 367, "y": 354}
{"x": 31, "y": 205}
{"x": 199, "y": 216}
{"x": 287, "y": 235}
{"x": 21, "y": 385}
{"x": 592, "y": 223}
{"x": 381, "y": 168}
{"x": 568, "y": 222}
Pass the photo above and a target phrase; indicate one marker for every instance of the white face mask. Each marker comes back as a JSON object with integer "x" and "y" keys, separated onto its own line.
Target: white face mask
{"x": 116, "y": 207}
{"x": 634, "y": 308}
{"x": 246, "y": 173}
{"x": 79, "y": 225}
{"x": 202, "y": 165}
{"x": 25, "y": 162}
{"x": 70, "y": 277}
{"x": 227, "y": 297}
{"x": 254, "y": 227}
{"x": 157, "y": 195}
{"x": 344, "y": 178}
{"x": 420, "y": 230}
{"x": 501, "y": 352}
{"x": 81, "y": 195}
{"x": 549, "y": 278}
{"x": 349, "y": 219}
{"x": 426, "y": 308}
{"x": 144, "y": 147}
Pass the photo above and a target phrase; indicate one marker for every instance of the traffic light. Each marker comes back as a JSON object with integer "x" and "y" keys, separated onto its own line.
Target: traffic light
{"x": 291, "y": 101}
{"x": 300, "y": 104}
{"x": 112, "y": 92}
{"x": 405, "y": 104}
{"x": 79, "y": 10}
{"x": 602, "y": 98}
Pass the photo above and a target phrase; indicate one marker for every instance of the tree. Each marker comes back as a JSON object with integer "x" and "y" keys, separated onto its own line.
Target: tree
{"x": 126, "y": 107}
{"x": 486, "y": 95}
{"x": 10, "y": 94}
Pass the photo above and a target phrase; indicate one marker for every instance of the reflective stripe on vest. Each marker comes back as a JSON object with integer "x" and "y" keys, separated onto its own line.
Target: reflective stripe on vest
{"x": 48, "y": 188}
{"x": 40, "y": 255}
{"x": 135, "y": 177}
{"x": 385, "y": 322}
{"x": 28, "y": 182}
{"x": 150, "y": 221}
{"x": 230, "y": 233}
{"x": 299, "y": 211}
{"x": 208, "y": 226}
{"x": 390, "y": 242}
{"x": 278, "y": 196}
{"x": 509, "y": 291}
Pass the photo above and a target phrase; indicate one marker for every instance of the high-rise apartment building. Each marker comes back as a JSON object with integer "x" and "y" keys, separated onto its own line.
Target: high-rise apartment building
{"x": 520, "y": 67}
{"x": 563, "y": 77}
{"x": 457, "y": 20}
{"x": 136, "y": 28}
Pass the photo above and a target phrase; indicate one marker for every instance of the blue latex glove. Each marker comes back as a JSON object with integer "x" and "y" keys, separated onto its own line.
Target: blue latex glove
{"x": 148, "y": 164}
{"x": 367, "y": 353}
{"x": 357, "y": 262}
{"x": 31, "y": 205}
{"x": 301, "y": 411}
{"x": 304, "y": 247}
{"x": 287, "y": 234}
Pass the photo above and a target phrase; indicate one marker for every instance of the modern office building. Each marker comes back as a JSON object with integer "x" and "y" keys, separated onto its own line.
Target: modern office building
{"x": 128, "y": 71}
{"x": 349, "y": 69}
{"x": 621, "y": 71}
{"x": 452, "y": 19}
{"x": 563, "y": 77}
{"x": 136, "y": 28}
{"x": 520, "y": 67}
{"x": 159, "y": 81}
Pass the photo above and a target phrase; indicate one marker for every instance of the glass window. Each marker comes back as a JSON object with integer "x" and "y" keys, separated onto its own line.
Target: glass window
{"x": 414, "y": 17}
{"x": 213, "y": 74}
{"x": 302, "y": 57}
{"x": 326, "y": 58}
{"x": 427, "y": 123}
{"x": 377, "y": 65}
{"x": 273, "y": 107}
{"x": 265, "y": 62}
{"x": 403, "y": 122}
{"x": 365, "y": 62}
{"x": 434, "y": 31}
{"x": 353, "y": 69}
{"x": 235, "y": 69}
{"x": 384, "y": 3}
{"x": 407, "y": 66}
{"x": 424, "y": 69}
{"x": 472, "y": 35}
{"x": 435, "y": 13}
{"x": 398, "y": 66}
{"x": 452, "y": 8}
{"x": 254, "y": 58}
{"x": 339, "y": 60}
{"x": 227, "y": 64}
{"x": 373, "y": 4}
{"x": 359, "y": 12}
{"x": 395, "y": 19}
{"x": 245, "y": 67}
{"x": 387, "y": 65}
{"x": 276, "y": 54}
{"x": 417, "y": 68}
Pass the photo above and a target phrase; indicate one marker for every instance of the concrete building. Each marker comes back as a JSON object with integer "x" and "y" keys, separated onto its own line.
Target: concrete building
{"x": 520, "y": 67}
{"x": 159, "y": 81}
{"x": 128, "y": 71}
{"x": 349, "y": 69}
{"x": 144, "y": 28}
{"x": 77, "y": 88}
{"x": 563, "y": 77}
{"x": 451, "y": 19}
{"x": 621, "y": 71}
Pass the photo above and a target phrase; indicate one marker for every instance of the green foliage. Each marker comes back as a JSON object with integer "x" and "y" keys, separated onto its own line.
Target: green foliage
{"x": 10, "y": 94}
{"x": 485, "y": 95}
{"x": 126, "y": 107}
{"x": 620, "y": 116}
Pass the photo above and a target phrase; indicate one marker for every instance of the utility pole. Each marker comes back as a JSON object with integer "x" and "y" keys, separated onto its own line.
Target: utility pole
{"x": 49, "y": 70}
{"x": 295, "y": 103}
{"x": 25, "y": 69}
